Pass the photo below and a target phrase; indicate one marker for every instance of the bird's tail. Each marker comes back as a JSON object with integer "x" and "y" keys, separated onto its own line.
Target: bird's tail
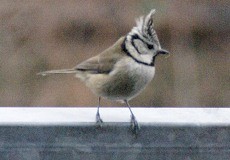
{"x": 61, "y": 71}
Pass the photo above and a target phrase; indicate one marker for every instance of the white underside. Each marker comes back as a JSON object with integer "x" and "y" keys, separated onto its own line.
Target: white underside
{"x": 144, "y": 74}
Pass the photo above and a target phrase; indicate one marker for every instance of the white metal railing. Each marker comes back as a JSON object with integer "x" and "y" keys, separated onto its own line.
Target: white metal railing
{"x": 65, "y": 115}
{"x": 71, "y": 134}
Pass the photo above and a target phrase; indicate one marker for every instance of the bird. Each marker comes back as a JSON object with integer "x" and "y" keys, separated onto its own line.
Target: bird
{"x": 122, "y": 71}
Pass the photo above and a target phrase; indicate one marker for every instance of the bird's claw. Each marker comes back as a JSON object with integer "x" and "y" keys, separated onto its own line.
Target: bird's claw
{"x": 99, "y": 121}
{"x": 134, "y": 125}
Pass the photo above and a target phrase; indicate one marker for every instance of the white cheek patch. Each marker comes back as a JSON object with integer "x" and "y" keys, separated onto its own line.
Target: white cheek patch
{"x": 144, "y": 53}
{"x": 147, "y": 58}
{"x": 139, "y": 50}
{"x": 141, "y": 47}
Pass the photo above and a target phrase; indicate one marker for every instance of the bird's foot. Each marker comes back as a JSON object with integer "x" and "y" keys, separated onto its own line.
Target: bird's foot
{"x": 134, "y": 125}
{"x": 99, "y": 121}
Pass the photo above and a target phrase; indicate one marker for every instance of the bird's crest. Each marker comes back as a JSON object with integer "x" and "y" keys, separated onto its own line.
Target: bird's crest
{"x": 145, "y": 27}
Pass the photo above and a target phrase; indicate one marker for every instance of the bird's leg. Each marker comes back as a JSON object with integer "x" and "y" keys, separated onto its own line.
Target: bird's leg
{"x": 98, "y": 118}
{"x": 134, "y": 123}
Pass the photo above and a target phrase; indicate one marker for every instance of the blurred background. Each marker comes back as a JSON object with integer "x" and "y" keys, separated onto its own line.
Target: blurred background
{"x": 39, "y": 35}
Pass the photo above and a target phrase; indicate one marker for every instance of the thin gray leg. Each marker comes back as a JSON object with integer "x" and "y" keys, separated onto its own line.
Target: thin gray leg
{"x": 134, "y": 123}
{"x": 98, "y": 117}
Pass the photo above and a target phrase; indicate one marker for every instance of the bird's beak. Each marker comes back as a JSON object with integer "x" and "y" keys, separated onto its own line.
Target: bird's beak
{"x": 162, "y": 51}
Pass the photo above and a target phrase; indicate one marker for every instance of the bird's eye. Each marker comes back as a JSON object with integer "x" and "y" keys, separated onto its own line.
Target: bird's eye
{"x": 150, "y": 46}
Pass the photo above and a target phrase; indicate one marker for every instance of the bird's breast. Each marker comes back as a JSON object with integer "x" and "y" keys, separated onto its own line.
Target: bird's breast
{"x": 127, "y": 80}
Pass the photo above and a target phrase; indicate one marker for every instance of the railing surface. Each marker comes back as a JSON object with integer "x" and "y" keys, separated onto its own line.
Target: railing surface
{"x": 71, "y": 134}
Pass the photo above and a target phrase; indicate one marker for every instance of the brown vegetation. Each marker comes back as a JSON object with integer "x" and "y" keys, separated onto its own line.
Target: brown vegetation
{"x": 43, "y": 35}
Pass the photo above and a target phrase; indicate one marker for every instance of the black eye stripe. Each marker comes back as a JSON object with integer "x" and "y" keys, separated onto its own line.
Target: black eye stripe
{"x": 135, "y": 36}
{"x": 150, "y": 46}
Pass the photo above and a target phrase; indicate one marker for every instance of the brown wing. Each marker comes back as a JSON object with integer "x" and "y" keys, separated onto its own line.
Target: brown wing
{"x": 104, "y": 62}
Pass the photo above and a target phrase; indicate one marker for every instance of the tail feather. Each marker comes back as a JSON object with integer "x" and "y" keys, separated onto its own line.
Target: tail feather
{"x": 62, "y": 71}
